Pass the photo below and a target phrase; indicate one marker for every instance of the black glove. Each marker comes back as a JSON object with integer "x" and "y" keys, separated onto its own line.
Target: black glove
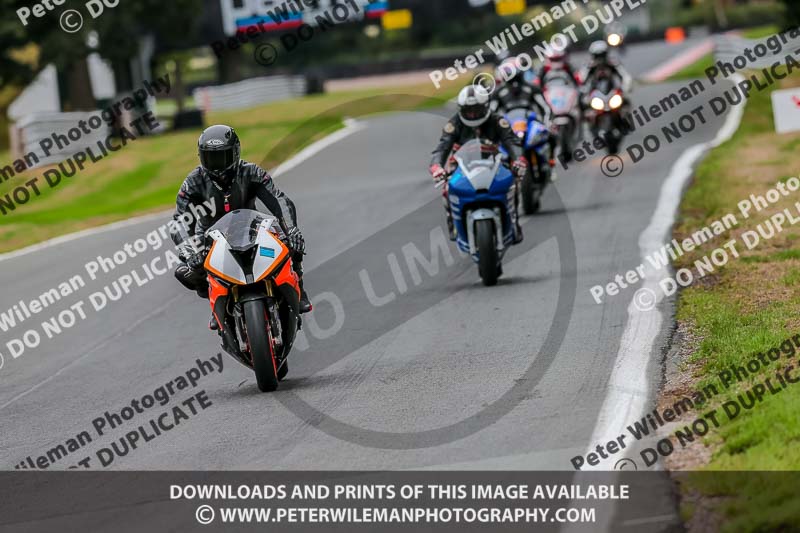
{"x": 196, "y": 260}
{"x": 295, "y": 240}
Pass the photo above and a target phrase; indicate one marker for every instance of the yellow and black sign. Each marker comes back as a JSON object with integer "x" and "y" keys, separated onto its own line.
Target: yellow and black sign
{"x": 399, "y": 19}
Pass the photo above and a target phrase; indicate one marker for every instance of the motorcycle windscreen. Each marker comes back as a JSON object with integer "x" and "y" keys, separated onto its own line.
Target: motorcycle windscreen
{"x": 478, "y": 164}
{"x": 519, "y": 121}
{"x": 241, "y": 227}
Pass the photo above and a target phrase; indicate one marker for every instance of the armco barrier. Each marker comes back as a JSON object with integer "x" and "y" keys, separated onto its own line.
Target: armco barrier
{"x": 31, "y": 129}
{"x": 249, "y": 93}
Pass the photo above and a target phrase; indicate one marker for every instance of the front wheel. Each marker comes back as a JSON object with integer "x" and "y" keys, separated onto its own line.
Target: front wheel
{"x": 566, "y": 150}
{"x": 613, "y": 141}
{"x": 530, "y": 194}
{"x": 283, "y": 370}
{"x": 261, "y": 349}
{"x": 488, "y": 266}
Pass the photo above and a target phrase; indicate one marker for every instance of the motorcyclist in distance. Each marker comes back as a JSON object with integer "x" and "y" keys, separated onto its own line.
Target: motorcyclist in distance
{"x": 556, "y": 61}
{"x": 602, "y": 65}
{"x": 231, "y": 183}
{"x": 514, "y": 92}
{"x": 475, "y": 120}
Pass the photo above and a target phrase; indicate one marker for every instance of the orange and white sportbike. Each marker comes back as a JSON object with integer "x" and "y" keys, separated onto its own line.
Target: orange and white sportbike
{"x": 254, "y": 293}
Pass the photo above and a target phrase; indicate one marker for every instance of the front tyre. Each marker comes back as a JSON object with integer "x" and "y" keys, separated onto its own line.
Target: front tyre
{"x": 565, "y": 137}
{"x": 261, "y": 348}
{"x": 488, "y": 266}
{"x": 283, "y": 370}
{"x": 530, "y": 194}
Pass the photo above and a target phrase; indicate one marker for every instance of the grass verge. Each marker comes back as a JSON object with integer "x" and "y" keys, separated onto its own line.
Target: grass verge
{"x": 748, "y": 306}
{"x": 698, "y": 68}
{"x": 145, "y": 176}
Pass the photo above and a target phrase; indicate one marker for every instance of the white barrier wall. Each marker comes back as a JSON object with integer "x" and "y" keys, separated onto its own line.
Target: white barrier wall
{"x": 249, "y": 93}
{"x": 31, "y": 129}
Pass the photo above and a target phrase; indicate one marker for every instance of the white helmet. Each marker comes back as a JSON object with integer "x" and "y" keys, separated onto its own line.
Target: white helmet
{"x": 599, "y": 51}
{"x": 473, "y": 106}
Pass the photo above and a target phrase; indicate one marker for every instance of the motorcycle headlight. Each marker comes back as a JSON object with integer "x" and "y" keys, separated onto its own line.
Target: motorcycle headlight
{"x": 598, "y": 104}
{"x": 615, "y": 102}
{"x": 614, "y": 39}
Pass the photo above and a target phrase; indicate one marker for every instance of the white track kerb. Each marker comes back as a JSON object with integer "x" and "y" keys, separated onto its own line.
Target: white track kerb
{"x": 628, "y": 390}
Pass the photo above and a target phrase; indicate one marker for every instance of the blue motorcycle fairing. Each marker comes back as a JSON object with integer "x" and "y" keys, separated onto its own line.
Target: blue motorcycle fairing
{"x": 464, "y": 198}
{"x": 537, "y": 135}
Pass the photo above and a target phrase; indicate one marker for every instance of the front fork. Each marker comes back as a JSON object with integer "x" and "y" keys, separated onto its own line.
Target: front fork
{"x": 451, "y": 228}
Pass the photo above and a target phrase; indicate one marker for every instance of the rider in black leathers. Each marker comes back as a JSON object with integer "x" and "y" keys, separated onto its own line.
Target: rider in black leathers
{"x": 475, "y": 120}
{"x": 231, "y": 184}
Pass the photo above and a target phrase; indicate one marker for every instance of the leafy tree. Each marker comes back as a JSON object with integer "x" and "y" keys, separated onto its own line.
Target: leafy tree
{"x": 119, "y": 30}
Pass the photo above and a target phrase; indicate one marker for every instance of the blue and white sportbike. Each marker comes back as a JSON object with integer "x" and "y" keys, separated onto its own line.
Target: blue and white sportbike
{"x": 481, "y": 193}
{"x": 535, "y": 138}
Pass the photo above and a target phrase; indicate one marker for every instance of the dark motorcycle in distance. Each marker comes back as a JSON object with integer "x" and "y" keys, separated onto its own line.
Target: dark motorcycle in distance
{"x": 605, "y": 113}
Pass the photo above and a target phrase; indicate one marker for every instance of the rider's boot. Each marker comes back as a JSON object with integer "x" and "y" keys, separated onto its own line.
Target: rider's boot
{"x": 305, "y": 303}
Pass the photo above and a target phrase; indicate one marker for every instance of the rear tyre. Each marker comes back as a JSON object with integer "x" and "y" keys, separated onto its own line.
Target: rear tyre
{"x": 261, "y": 349}
{"x": 486, "y": 238}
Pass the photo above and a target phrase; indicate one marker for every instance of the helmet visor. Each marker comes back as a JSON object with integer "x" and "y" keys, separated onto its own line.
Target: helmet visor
{"x": 475, "y": 111}
{"x": 217, "y": 160}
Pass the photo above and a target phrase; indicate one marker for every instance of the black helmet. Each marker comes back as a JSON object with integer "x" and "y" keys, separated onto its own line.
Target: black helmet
{"x": 219, "y": 150}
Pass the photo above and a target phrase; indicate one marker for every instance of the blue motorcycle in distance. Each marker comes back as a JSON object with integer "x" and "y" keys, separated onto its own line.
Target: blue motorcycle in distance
{"x": 535, "y": 141}
{"x": 481, "y": 196}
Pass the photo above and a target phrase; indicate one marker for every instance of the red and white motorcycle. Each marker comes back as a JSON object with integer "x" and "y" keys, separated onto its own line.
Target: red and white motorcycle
{"x": 563, "y": 97}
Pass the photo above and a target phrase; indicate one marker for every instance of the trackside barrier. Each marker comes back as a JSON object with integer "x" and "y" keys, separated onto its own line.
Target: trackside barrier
{"x": 249, "y": 93}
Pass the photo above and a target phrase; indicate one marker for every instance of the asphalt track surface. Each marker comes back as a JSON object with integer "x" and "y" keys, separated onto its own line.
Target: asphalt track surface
{"x": 377, "y": 393}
